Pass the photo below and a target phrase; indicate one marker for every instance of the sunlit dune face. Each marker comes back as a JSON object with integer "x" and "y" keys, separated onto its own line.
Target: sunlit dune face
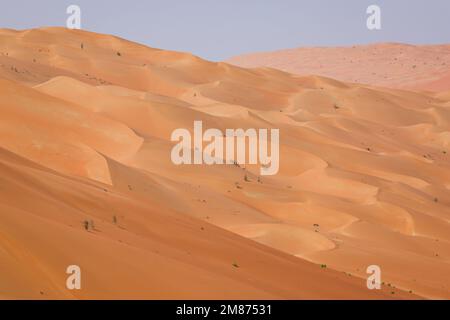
{"x": 385, "y": 64}
{"x": 88, "y": 179}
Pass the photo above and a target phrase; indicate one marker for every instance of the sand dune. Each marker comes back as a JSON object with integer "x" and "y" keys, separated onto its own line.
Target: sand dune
{"x": 150, "y": 252}
{"x": 86, "y": 122}
{"x": 425, "y": 67}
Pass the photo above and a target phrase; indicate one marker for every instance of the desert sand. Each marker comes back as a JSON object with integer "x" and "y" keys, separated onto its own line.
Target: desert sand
{"x": 85, "y": 131}
{"x": 394, "y": 65}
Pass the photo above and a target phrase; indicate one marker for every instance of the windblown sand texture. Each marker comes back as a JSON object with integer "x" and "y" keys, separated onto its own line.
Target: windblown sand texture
{"x": 394, "y": 65}
{"x": 85, "y": 126}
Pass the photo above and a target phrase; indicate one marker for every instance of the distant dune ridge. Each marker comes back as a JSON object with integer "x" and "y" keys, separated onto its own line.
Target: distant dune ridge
{"x": 396, "y": 65}
{"x": 85, "y": 128}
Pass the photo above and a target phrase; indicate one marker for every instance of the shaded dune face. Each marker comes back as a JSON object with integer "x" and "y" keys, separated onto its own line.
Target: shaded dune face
{"x": 396, "y": 65}
{"x": 85, "y": 127}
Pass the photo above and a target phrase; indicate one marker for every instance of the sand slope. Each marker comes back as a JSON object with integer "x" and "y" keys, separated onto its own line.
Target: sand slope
{"x": 86, "y": 122}
{"x": 149, "y": 252}
{"x": 425, "y": 67}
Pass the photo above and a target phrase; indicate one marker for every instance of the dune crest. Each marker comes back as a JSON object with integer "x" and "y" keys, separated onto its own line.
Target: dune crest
{"x": 85, "y": 136}
{"x": 421, "y": 67}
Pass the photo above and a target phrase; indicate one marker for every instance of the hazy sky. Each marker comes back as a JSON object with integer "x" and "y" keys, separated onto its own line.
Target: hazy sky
{"x": 217, "y": 30}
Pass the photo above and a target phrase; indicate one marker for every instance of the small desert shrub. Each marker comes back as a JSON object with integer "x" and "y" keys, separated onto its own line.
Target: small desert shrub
{"x": 88, "y": 225}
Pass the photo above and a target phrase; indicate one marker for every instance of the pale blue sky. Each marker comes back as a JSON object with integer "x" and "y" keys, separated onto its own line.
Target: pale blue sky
{"x": 217, "y": 30}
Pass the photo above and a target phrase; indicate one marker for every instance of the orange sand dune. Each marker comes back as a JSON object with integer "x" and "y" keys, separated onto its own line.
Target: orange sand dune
{"x": 86, "y": 122}
{"x": 148, "y": 252}
{"x": 425, "y": 67}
